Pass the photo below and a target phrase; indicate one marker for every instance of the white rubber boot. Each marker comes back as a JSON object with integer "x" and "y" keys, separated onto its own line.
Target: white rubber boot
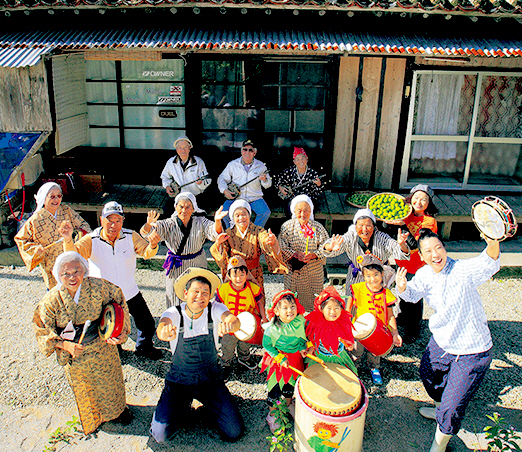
{"x": 428, "y": 412}
{"x": 440, "y": 441}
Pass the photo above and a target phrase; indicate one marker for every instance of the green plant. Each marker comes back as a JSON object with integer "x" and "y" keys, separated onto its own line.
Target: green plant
{"x": 500, "y": 435}
{"x": 282, "y": 438}
{"x": 63, "y": 434}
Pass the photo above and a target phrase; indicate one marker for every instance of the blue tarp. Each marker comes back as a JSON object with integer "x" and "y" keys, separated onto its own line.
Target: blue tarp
{"x": 14, "y": 148}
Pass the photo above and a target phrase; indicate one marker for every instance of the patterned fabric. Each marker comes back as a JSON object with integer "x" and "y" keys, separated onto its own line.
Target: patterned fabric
{"x": 414, "y": 225}
{"x": 384, "y": 247}
{"x": 240, "y": 301}
{"x": 95, "y": 376}
{"x": 291, "y": 178}
{"x": 459, "y": 324}
{"x": 42, "y": 229}
{"x": 309, "y": 280}
{"x": 367, "y": 301}
{"x": 170, "y": 231}
{"x": 249, "y": 248}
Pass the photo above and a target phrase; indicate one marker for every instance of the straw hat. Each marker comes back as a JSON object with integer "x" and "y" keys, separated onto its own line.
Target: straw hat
{"x": 193, "y": 272}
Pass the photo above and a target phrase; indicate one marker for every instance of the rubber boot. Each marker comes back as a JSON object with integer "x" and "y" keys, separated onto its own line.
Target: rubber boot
{"x": 429, "y": 412}
{"x": 440, "y": 441}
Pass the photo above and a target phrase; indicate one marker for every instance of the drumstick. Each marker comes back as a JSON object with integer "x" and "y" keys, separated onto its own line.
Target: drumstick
{"x": 316, "y": 359}
{"x": 85, "y": 328}
{"x": 52, "y": 244}
{"x": 297, "y": 371}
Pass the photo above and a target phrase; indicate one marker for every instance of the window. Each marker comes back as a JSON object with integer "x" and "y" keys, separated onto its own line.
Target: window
{"x": 464, "y": 130}
{"x": 135, "y": 104}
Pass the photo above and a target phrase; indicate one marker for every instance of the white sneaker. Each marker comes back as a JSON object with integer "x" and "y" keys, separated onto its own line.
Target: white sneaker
{"x": 427, "y": 412}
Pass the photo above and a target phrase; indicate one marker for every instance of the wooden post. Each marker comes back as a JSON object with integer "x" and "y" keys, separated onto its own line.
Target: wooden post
{"x": 342, "y": 154}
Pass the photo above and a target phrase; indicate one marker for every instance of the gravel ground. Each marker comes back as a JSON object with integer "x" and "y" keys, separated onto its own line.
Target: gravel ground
{"x": 35, "y": 398}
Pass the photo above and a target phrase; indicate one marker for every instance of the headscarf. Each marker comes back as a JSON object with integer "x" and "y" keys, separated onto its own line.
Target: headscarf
{"x": 190, "y": 197}
{"x": 42, "y": 193}
{"x": 297, "y": 200}
{"x": 65, "y": 258}
{"x": 278, "y": 297}
{"x": 425, "y": 188}
{"x": 234, "y": 206}
{"x": 298, "y": 151}
{"x": 327, "y": 333}
{"x": 361, "y": 213}
{"x": 388, "y": 273}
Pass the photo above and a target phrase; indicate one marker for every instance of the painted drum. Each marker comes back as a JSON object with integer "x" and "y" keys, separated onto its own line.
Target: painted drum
{"x": 250, "y": 330}
{"x": 372, "y": 333}
{"x": 112, "y": 321}
{"x": 330, "y": 406}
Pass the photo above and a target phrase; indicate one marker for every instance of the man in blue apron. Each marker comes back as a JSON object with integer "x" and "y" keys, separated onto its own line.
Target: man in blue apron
{"x": 193, "y": 330}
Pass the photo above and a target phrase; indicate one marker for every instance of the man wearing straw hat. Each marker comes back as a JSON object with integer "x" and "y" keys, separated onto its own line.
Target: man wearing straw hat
{"x": 193, "y": 330}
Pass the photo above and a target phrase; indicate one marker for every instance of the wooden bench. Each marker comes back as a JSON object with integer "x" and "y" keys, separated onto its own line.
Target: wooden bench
{"x": 331, "y": 207}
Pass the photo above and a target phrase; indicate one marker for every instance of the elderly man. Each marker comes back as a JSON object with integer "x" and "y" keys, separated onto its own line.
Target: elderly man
{"x": 250, "y": 175}
{"x": 193, "y": 330}
{"x": 111, "y": 251}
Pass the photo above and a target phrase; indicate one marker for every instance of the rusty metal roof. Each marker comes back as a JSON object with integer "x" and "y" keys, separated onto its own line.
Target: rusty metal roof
{"x": 26, "y": 48}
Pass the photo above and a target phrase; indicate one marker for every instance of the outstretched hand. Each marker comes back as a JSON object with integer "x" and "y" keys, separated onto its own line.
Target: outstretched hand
{"x": 400, "y": 279}
{"x": 220, "y": 214}
{"x": 221, "y": 238}
{"x": 402, "y": 236}
{"x": 152, "y": 217}
{"x": 335, "y": 243}
{"x": 66, "y": 230}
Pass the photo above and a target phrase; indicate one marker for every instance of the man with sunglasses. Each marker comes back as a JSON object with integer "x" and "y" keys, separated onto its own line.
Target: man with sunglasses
{"x": 251, "y": 176}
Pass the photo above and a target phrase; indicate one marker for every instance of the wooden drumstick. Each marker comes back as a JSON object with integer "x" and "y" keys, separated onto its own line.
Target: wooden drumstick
{"x": 85, "y": 328}
{"x": 316, "y": 359}
{"x": 52, "y": 244}
{"x": 297, "y": 371}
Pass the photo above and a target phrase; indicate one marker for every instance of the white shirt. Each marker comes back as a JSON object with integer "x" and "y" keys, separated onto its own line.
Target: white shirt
{"x": 459, "y": 325}
{"x": 235, "y": 172}
{"x": 195, "y": 169}
{"x": 199, "y": 326}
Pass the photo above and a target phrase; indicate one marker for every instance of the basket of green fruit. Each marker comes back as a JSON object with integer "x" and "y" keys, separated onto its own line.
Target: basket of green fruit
{"x": 359, "y": 199}
{"x": 389, "y": 206}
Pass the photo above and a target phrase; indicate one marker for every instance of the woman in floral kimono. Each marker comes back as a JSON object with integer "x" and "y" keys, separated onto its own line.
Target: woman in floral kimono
{"x": 37, "y": 240}
{"x": 92, "y": 365}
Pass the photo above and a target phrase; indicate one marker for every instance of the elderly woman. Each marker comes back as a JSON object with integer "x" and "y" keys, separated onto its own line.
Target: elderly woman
{"x": 300, "y": 178}
{"x": 38, "y": 240}
{"x": 184, "y": 235}
{"x": 248, "y": 241}
{"x": 92, "y": 365}
{"x": 363, "y": 238}
{"x": 301, "y": 240}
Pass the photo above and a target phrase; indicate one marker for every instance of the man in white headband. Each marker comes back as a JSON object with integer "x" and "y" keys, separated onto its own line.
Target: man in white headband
{"x": 111, "y": 251}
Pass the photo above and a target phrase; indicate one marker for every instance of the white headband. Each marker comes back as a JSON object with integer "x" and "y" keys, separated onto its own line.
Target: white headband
{"x": 236, "y": 205}
{"x": 190, "y": 197}
{"x": 42, "y": 193}
{"x": 297, "y": 200}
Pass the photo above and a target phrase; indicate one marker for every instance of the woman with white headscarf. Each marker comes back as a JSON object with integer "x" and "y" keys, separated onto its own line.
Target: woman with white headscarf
{"x": 361, "y": 238}
{"x": 37, "y": 240}
{"x": 249, "y": 241}
{"x": 184, "y": 234}
{"x": 301, "y": 239}
{"x": 92, "y": 365}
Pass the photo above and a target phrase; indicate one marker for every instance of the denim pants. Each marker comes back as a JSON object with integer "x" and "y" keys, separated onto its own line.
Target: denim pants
{"x": 175, "y": 402}
{"x": 259, "y": 207}
{"x": 452, "y": 380}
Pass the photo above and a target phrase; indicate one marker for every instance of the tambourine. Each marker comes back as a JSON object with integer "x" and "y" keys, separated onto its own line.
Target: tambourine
{"x": 250, "y": 330}
{"x": 111, "y": 321}
{"x": 494, "y": 218}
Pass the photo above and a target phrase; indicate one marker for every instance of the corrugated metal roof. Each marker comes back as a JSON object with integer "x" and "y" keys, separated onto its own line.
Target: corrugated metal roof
{"x": 26, "y": 49}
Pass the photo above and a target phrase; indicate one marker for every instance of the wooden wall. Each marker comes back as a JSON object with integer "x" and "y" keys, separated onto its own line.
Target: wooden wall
{"x": 24, "y": 100}
{"x": 367, "y": 127}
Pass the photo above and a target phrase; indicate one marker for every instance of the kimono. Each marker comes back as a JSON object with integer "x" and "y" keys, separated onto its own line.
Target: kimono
{"x": 250, "y": 247}
{"x": 308, "y": 280}
{"x": 172, "y": 231}
{"x": 42, "y": 229}
{"x": 95, "y": 376}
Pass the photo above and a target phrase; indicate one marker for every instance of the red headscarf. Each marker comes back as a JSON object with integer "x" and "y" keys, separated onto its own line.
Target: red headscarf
{"x": 298, "y": 151}
{"x": 278, "y": 297}
{"x": 320, "y": 330}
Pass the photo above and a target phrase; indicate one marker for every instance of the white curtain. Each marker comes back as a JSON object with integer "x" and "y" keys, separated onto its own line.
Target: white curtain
{"x": 437, "y": 114}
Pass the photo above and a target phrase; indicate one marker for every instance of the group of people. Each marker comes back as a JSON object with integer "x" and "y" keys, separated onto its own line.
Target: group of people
{"x": 84, "y": 276}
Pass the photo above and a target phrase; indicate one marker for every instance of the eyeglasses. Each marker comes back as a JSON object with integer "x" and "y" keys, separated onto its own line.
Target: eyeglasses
{"x": 55, "y": 196}
{"x": 248, "y": 150}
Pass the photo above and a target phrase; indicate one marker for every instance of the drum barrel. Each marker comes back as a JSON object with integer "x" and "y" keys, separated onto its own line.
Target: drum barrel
{"x": 350, "y": 425}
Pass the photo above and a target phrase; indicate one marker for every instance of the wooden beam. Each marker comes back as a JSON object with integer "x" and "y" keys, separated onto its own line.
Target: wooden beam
{"x": 366, "y": 127}
{"x": 389, "y": 129}
{"x": 342, "y": 154}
